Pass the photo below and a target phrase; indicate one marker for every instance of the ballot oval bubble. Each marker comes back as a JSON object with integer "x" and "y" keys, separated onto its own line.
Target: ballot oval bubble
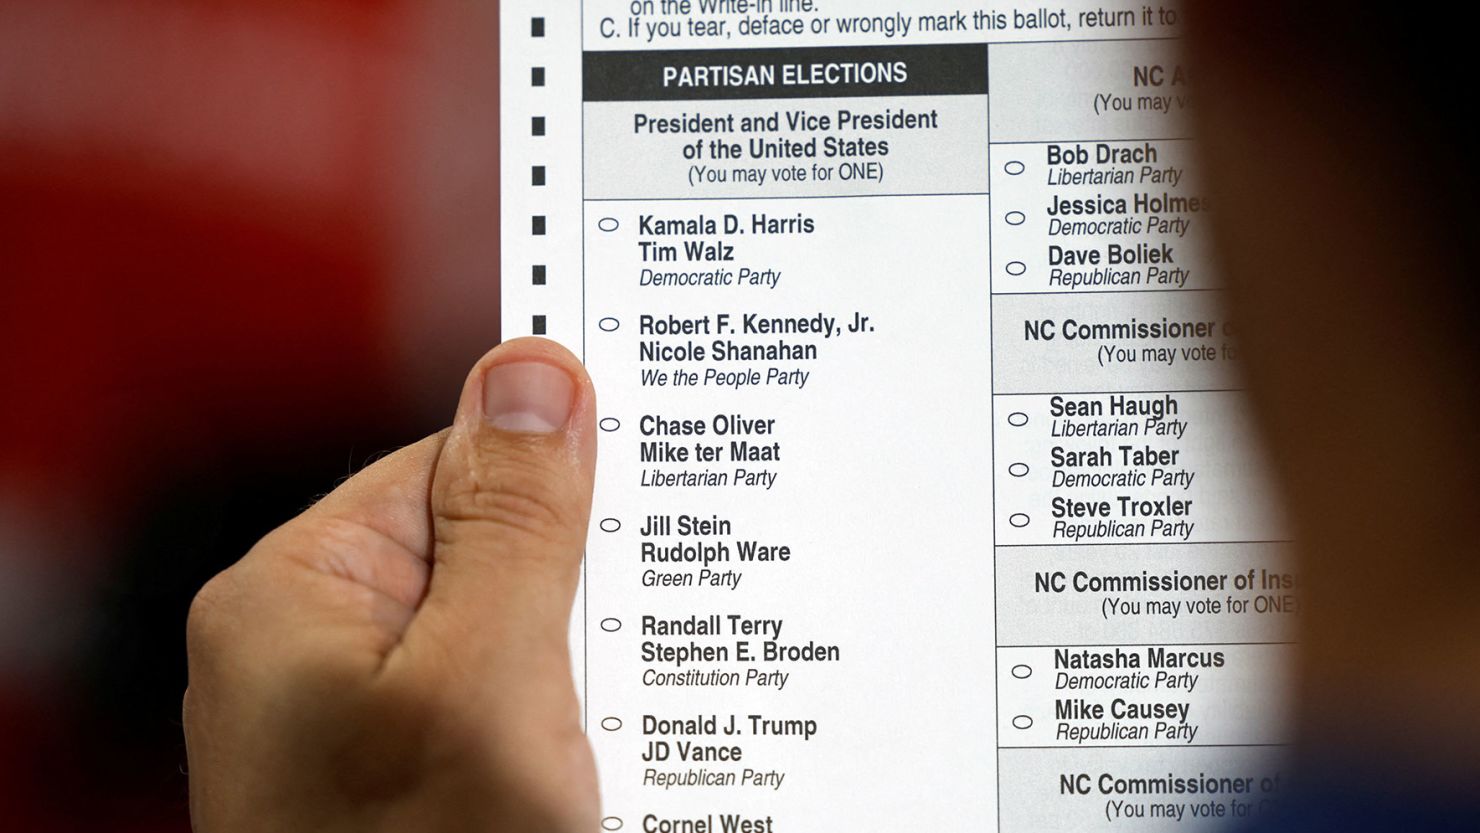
{"x": 610, "y": 423}
{"x": 1016, "y": 267}
{"x": 1022, "y": 721}
{"x": 1015, "y": 218}
{"x": 611, "y": 823}
{"x": 1017, "y": 419}
{"x": 1022, "y": 672}
{"x": 1018, "y": 520}
{"x": 610, "y": 524}
{"x": 611, "y": 625}
{"x": 611, "y": 724}
{"x": 609, "y": 325}
{"x": 1014, "y": 168}
{"x": 1018, "y": 469}
{"x": 608, "y": 224}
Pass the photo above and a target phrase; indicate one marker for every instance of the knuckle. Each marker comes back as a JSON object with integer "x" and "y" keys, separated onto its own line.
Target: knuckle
{"x": 207, "y": 610}
{"x": 520, "y": 497}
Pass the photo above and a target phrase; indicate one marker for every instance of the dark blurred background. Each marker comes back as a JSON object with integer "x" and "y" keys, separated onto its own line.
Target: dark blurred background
{"x": 245, "y": 246}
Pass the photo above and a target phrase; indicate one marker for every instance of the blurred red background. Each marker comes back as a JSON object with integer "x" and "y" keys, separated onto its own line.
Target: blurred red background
{"x": 245, "y": 245}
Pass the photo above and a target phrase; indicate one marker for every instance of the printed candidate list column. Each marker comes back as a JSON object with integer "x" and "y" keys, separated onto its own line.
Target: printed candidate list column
{"x": 790, "y": 594}
{"x": 1143, "y": 601}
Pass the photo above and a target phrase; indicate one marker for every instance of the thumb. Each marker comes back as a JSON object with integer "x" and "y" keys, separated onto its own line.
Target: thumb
{"x": 510, "y": 500}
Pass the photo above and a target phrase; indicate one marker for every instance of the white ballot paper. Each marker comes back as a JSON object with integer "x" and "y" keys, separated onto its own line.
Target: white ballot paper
{"x": 927, "y": 496}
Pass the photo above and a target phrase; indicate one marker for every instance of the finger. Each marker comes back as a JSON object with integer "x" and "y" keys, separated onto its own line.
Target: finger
{"x": 510, "y": 501}
{"x": 391, "y": 495}
{"x": 348, "y": 572}
{"x": 375, "y": 528}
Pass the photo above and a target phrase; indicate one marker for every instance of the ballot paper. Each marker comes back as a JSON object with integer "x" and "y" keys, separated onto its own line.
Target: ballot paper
{"x": 928, "y": 498}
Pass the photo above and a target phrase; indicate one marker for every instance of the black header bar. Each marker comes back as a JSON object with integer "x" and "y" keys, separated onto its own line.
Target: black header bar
{"x": 817, "y": 72}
